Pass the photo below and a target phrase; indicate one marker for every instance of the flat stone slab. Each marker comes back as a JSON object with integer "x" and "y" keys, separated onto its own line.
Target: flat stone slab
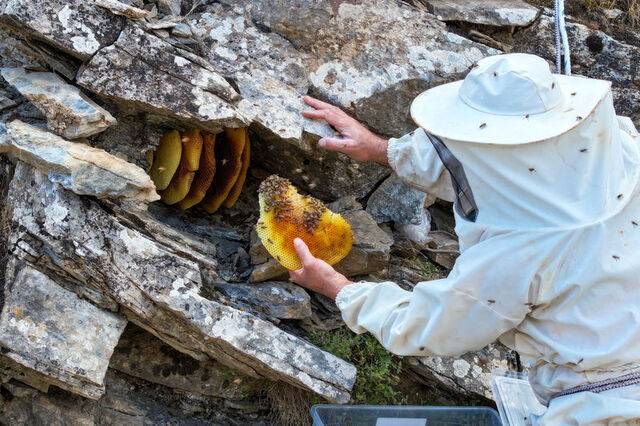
{"x": 497, "y": 13}
{"x": 396, "y": 201}
{"x": 76, "y": 166}
{"x": 69, "y": 112}
{"x": 51, "y": 330}
{"x": 77, "y": 27}
{"x": 151, "y": 74}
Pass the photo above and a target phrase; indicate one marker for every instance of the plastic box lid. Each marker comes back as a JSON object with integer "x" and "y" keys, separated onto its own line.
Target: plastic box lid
{"x": 387, "y": 415}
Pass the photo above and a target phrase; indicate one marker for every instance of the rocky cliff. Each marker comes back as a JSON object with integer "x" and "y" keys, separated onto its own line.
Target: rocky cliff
{"x": 118, "y": 309}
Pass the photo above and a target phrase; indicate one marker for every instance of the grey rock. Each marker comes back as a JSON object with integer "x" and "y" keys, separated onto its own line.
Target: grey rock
{"x": 442, "y": 248}
{"x": 271, "y": 76}
{"x": 77, "y": 27}
{"x": 156, "y": 288}
{"x": 70, "y": 113}
{"x": 65, "y": 339}
{"x": 498, "y": 13}
{"x": 593, "y": 54}
{"x": 76, "y": 166}
{"x": 123, "y": 9}
{"x": 5, "y": 102}
{"x": 418, "y": 233}
{"x": 273, "y": 299}
{"x": 371, "y": 57}
{"x": 181, "y": 30}
{"x": 147, "y": 73}
{"x": 141, "y": 354}
{"x": 127, "y": 401}
{"x": 170, "y": 7}
{"x": 396, "y": 201}
{"x": 370, "y": 252}
{"x": 469, "y": 374}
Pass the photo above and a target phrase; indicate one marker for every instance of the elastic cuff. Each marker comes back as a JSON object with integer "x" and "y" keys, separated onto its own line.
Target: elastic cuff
{"x": 344, "y": 295}
{"x": 393, "y": 147}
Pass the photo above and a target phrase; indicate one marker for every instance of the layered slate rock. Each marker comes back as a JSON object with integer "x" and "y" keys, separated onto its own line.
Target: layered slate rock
{"x": 76, "y": 166}
{"x": 147, "y": 73}
{"x": 69, "y": 112}
{"x": 155, "y": 288}
{"x": 67, "y": 341}
{"x": 272, "y": 299}
{"x": 498, "y": 13}
{"x": 141, "y": 354}
{"x": 77, "y": 27}
{"x": 370, "y": 252}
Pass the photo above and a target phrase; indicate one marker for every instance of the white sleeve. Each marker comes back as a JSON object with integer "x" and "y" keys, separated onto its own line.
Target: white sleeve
{"x": 416, "y": 161}
{"x": 489, "y": 292}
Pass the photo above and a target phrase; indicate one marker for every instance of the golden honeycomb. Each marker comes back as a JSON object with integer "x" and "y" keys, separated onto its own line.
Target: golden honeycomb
{"x": 286, "y": 215}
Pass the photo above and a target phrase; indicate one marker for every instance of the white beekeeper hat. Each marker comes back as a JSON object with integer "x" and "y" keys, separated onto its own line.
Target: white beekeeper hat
{"x": 509, "y": 99}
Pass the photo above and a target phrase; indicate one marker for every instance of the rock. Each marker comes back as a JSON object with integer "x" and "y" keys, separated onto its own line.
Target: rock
{"x": 396, "y": 201}
{"x": 371, "y": 57}
{"x": 78, "y": 167}
{"x": 119, "y": 8}
{"x": 181, "y": 30}
{"x": 69, "y": 112}
{"x": 140, "y": 354}
{"x": 469, "y": 374}
{"x": 76, "y": 27}
{"x": 370, "y": 252}
{"x": 497, "y": 13}
{"x": 593, "y": 54}
{"x": 6, "y": 102}
{"x": 281, "y": 300}
{"x": 156, "y": 288}
{"x": 443, "y": 248}
{"x": 147, "y": 73}
{"x": 127, "y": 401}
{"x": 170, "y": 7}
{"x": 65, "y": 339}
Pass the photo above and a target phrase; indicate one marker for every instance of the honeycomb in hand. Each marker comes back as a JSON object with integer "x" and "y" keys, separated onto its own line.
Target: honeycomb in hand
{"x": 286, "y": 215}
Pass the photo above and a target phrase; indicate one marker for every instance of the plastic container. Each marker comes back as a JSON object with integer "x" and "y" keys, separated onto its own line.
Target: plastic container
{"x": 385, "y": 415}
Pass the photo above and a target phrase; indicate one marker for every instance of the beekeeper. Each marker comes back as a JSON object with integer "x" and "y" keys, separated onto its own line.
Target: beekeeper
{"x": 544, "y": 179}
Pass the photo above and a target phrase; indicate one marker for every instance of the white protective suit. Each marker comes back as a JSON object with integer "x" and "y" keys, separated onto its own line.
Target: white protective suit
{"x": 550, "y": 267}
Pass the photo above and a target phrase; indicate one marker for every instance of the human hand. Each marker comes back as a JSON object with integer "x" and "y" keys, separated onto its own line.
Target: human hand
{"x": 317, "y": 275}
{"x": 357, "y": 141}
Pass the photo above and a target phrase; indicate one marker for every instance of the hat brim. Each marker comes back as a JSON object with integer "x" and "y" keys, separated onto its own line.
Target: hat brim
{"x": 441, "y": 112}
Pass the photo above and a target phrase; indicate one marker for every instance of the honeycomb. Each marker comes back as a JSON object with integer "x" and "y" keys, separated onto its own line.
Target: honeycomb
{"x": 199, "y": 168}
{"x": 286, "y": 215}
{"x": 228, "y": 167}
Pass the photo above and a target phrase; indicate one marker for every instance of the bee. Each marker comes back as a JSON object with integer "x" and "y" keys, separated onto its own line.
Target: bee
{"x": 483, "y": 125}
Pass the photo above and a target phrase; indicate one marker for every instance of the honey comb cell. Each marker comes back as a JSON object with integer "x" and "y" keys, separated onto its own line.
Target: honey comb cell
{"x": 166, "y": 159}
{"x": 237, "y": 187}
{"x": 286, "y": 215}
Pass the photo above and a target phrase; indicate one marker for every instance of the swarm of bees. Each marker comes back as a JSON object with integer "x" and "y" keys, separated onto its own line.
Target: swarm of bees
{"x": 199, "y": 168}
{"x": 286, "y": 215}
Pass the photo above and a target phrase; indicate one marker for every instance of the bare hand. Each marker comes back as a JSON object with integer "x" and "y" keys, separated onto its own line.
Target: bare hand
{"x": 317, "y": 275}
{"x": 357, "y": 141}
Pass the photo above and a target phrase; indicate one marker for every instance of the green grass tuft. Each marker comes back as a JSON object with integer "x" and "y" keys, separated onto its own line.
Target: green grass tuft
{"x": 378, "y": 370}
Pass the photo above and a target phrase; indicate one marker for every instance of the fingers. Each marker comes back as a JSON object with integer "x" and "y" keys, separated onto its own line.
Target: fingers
{"x": 316, "y": 103}
{"x": 315, "y": 114}
{"x": 335, "y": 144}
{"x": 303, "y": 252}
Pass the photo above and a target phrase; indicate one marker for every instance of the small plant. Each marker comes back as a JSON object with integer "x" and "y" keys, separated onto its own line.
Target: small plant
{"x": 378, "y": 370}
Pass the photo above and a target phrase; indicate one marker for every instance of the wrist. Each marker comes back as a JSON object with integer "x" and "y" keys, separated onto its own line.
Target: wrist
{"x": 379, "y": 152}
{"x": 337, "y": 285}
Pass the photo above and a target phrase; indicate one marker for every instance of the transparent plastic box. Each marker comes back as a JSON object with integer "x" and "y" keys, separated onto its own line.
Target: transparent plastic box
{"x": 382, "y": 415}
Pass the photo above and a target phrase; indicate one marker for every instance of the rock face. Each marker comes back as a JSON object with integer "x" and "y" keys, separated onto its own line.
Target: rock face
{"x": 157, "y": 289}
{"x": 143, "y": 70}
{"x": 489, "y": 12}
{"x": 77, "y": 27}
{"x": 69, "y": 112}
{"x": 48, "y": 329}
{"x": 76, "y": 166}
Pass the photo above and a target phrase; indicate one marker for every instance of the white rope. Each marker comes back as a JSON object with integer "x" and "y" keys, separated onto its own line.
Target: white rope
{"x": 562, "y": 41}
